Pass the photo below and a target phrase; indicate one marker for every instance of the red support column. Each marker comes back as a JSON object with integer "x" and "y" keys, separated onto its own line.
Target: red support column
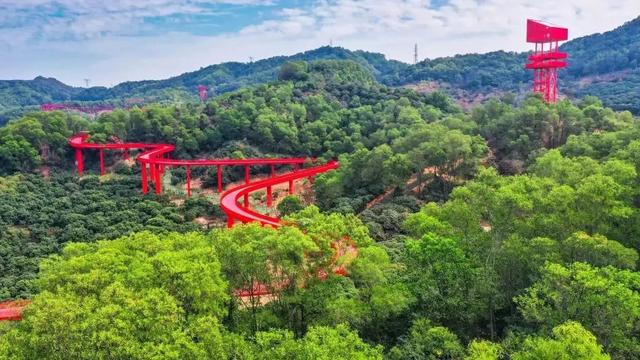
{"x": 79, "y": 162}
{"x": 246, "y": 181}
{"x": 101, "y": 161}
{"x": 145, "y": 183}
{"x": 158, "y": 179}
{"x": 230, "y": 221}
{"x": 219, "y": 173}
{"x": 291, "y": 189}
{"x": 188, "y": 181}
{"x": 269, "y": 189}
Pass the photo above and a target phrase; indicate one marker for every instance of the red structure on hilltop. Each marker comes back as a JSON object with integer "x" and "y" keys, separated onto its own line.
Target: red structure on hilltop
{"x": 546, "y": 59}
{"x": 202, "y": 92}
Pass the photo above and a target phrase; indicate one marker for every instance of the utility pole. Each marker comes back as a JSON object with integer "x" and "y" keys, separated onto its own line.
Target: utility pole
{"x": 415, "y": 54}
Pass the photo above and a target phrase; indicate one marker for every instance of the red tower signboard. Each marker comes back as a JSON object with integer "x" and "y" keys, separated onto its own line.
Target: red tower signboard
{"x": 546, "y": 59}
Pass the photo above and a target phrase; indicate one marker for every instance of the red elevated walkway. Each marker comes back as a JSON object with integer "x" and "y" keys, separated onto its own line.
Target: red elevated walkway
{"x": 12, "y": 310}
{"x": 153, "y": 160}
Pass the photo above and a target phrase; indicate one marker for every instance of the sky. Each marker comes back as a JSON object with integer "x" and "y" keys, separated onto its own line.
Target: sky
{"x": 111, "y": 41}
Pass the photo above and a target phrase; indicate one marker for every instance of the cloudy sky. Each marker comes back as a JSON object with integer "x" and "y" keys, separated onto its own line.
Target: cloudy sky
{"x": 110, "y": 41}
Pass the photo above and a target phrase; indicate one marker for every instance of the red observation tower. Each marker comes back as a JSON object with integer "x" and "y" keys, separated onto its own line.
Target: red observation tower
{"x": 202, "y": 92}
{"x": 546, "y": 59}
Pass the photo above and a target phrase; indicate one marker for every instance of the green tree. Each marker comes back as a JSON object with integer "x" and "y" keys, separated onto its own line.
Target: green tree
{"x": 322, "y": 343}
{"x": 428, "y": 342}
{"x": 483, "y": 350}
{"x": 139, "y": 297}
{"x": 597, "y": 250}
{"x": 289, "y": 205}
{"x": 570, "y": 341}
{"x": 605, "y": 300}
{"x": 254, "y": 256}
{"x": 444, "y": 281}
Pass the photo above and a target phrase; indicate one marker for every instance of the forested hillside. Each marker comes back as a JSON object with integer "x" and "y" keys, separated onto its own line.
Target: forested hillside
{"x": 604, "y": 65}
{"x": 509, "y": 231}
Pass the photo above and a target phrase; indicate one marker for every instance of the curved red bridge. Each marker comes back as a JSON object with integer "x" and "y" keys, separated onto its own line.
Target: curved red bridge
{"x": 154, "y": 160}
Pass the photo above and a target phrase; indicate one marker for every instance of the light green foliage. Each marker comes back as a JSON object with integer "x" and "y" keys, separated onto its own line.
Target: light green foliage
{"x": 369, "y": 294}
{"x": 605, "y": 300}
{"x": 252, "y": 255}
{"x": 428, "y": 342}
{"x": 450, "y": 152}
{"x": 598, "y": 251}
{"x": 322, "y": 343}
{"x": 570, "y": 341}
{"x": 483, "y": 350}
{"x": 138, "y": 297}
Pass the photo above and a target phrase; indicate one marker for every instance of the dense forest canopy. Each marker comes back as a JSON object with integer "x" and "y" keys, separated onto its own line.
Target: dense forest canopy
{"x": 604, "y": 65}
{"x": 510, "y": 231}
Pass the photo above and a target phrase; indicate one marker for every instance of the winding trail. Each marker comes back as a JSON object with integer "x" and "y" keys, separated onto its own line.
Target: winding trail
{"x": 153, "y": 161}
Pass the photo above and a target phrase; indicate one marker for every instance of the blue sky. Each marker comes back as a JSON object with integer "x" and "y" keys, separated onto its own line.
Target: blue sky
{"x": 110, "y": 41}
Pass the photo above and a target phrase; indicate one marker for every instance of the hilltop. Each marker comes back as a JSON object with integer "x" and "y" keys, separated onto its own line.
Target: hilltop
{"x": 604, "y": 65}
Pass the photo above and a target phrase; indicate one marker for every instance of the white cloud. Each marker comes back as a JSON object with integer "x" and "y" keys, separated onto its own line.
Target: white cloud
{"x": 387, "y": 26}
{"x": 95, "y": 18}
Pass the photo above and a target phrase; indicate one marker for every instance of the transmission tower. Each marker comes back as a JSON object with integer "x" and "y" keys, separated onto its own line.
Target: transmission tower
{"x": 415, "y": 54}
{"x": 546, "y": 59}
{"x": 86, "y": 82}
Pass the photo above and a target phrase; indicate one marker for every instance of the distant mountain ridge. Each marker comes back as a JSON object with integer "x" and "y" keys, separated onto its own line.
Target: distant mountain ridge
{"x": 606, "y": 65}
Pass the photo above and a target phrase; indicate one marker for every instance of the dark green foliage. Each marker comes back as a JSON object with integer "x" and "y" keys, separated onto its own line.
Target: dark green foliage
{"x": 37, "y": 217}
{"x": 289, "y": 205}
